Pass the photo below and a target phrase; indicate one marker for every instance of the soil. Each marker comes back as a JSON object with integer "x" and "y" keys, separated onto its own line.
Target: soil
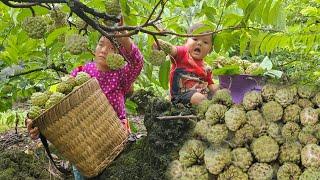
{"x": 24, "y": 158}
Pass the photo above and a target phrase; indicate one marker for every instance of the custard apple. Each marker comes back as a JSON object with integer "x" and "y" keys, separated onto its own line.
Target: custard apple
{"x": 115, "y": 61}
{"x": 76, "y": 44}
{"x": 35, "y": 27}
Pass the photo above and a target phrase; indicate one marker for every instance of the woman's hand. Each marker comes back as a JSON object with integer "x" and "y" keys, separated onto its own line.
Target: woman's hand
{"x": 126, "y": 42}
{"x": 33, "y": 131}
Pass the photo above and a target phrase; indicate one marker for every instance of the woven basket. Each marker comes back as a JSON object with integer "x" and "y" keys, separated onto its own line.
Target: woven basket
{"x": 84, "y": 128}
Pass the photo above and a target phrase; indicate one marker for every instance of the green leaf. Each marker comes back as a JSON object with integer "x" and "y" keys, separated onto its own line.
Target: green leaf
{"x": 309, "y": 11}
{"x": 12, "y": 54}
{"x": 243, "y": 3}
{"x": 258, "y": 72}
{"x": 250, "y": 8}
{"x": 259, "y": 10}
{"x": 274, "y": 73}
{"x": 264, "y": 43}
{"x": 255, "y": 43}
{"x": 310, "y": 42}
{"x": 187, "y": 3}
{"x": 266, "y": 63}
{"x": 14, "y": 15}
{"x": 232, "y": 20}
{"x": 284, "y": 41}
{"x": 148, "y": 68}
{"x": 125, "y": 7}
{"x": 227, "y": 70}
{"x": 55, "y": 34}
{"x": 98, "y": 4}
{"x": 5, "y": 104}
{"x": 274, "y": 13}
{"x": 133, "y": 127}
{"x": 208, "y": 11}
{"x": 244, "y": 39}
{"x": 266, "y": 10}
{"x": 217, "y": 42}
{"x": 272, "y": 44}
{"x": 229, "y": 2}
{"x": 164, "y": 75}
{"x": 131, "y": 106}
{"x": 131, "y": 20}
{"x": 10, "y": 119}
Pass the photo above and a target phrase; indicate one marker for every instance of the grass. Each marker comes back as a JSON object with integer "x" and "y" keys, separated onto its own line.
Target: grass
{"x": 4, "y": 128}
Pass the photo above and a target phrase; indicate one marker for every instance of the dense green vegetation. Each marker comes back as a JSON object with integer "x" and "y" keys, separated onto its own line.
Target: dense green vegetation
{"x": 286, "y": 31}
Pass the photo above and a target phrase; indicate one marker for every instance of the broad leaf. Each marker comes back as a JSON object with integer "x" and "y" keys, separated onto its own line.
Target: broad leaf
{"x": 55, "y": 34}
{"x": 164, "y": 74}
{"x": 232, "y": 19}
{"x": 274, "y": 73}
{"x": 310, "y": 11}
{"x": 227, "y": 70}
{"x": 244, "y": 39}
{"x": 258, "y": 72}
{"x": 229, "y": 2}
{"x": 266, "y": 63}
{"x": 131, "y": 106}
{"x": 266, "y": 10}
{"x": 208, "y": 11}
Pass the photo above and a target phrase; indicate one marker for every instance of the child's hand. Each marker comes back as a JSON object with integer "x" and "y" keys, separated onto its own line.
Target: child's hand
{"x": 161, "y": 43}
{"x": 33, "y": 131}
{"x": 164, "y": 46}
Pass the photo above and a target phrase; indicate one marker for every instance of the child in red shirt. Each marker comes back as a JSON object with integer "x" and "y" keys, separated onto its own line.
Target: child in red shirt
{"x": 190, "y": 79}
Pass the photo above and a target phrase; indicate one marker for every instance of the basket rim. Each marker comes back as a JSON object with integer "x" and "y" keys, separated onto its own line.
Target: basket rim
{"x": 64, "y": 98}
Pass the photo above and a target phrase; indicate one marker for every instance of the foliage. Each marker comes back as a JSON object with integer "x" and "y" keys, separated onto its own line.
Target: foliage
{"x": 251, "y": 29}
{"x": 11, "y": 117}
{"x": 19, "y": 165}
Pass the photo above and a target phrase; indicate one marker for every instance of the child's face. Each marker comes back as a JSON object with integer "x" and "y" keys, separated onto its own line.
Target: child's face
{"x": 104, "y": 47}
{"x": 199, "y": 47}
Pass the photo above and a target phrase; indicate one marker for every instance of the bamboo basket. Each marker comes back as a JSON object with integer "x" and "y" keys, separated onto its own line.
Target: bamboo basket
{"x": 84, "y": 128}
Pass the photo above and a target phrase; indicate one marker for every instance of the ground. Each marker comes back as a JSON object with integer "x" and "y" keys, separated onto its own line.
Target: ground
{"x": 18, "y": 151}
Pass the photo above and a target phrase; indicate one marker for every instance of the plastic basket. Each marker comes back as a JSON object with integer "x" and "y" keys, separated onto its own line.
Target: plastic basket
{"x": 84, "y": 128}
{"x": 240, "y": 84}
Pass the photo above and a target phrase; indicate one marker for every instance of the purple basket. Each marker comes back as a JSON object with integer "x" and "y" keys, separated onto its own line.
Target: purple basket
{"x": 240, "y": 84}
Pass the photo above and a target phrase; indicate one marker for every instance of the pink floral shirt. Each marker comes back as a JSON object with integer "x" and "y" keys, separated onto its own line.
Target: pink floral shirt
{"x": 116, "y": 83}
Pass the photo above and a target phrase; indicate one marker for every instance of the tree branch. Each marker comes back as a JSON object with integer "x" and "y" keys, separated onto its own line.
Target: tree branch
{"x": 152, "y": 12}
{"x": 39, "y": 69}
{"x": 96, "y": 13}
{"x": 24, "y": 5}
{"x": 82, "y": 11}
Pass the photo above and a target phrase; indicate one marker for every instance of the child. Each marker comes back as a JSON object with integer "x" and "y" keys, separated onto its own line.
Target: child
{"x": 190, "y": 79}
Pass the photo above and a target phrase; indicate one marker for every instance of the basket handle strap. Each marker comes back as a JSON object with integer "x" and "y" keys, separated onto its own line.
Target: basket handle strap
{"x": 46, "y": 147}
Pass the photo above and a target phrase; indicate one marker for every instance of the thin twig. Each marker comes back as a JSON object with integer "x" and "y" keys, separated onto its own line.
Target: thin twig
{"x": 220, "y": 18}
{"x": 22, "y": 5}
{"x": 152, "y": 12}
{"x": 177, "y": 117}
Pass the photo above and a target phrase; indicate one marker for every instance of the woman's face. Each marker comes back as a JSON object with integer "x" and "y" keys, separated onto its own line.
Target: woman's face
{"x": 104, "y": 47}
